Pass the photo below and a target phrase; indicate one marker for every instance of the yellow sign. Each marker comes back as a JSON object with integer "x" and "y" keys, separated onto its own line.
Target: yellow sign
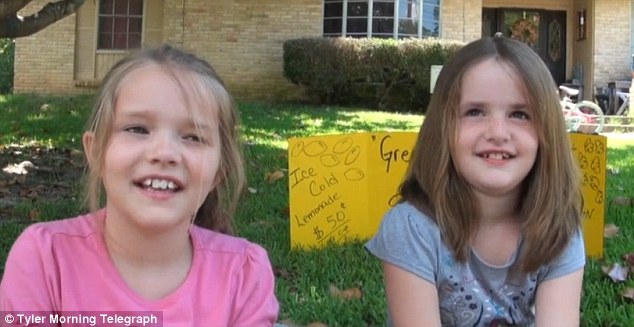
{"x": 341, "y": 185}
{"x": 591, "y": 153}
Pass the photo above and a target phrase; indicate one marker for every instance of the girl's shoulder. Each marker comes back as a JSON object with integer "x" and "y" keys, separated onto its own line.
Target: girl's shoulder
{"x": 208, "y": 241}
{"x": 406, "y": 215}
{"x": 80, "y": 226}
{"x": 409, "y": 239}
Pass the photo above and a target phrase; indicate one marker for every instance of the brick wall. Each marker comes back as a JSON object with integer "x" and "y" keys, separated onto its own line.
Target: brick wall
{"x": 44, "y": 62}
{"x": 243, "y": 39}
{"x": 612, "y": 19}
{"x": 461, "y": 20}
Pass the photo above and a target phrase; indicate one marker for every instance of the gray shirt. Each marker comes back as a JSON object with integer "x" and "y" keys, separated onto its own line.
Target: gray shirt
{"x": 474, "y": 293}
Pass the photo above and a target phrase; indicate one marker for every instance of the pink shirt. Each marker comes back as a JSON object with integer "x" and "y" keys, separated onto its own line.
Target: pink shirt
{"x": 64, "y": 266}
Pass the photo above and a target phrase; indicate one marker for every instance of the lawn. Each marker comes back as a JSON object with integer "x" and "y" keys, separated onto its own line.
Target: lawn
{"x": 46, "y": 131}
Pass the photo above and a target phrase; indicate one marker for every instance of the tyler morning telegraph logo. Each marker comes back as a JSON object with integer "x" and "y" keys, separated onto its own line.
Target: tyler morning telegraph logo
{"x": 82, "y": 318}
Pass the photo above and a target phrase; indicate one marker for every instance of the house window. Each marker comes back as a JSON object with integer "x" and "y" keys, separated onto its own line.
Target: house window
{"x": 382, "y": 18}
{"x": 120, "y": 24}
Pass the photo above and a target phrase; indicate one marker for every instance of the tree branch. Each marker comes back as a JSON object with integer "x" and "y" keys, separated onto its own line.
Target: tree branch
{"x": 13, "y": 26}
{"x": 11, "y": 7}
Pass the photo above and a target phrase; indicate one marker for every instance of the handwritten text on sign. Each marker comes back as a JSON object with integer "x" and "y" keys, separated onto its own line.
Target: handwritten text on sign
{"x": 591, "y": 154}
{"x": 341, "y": 185}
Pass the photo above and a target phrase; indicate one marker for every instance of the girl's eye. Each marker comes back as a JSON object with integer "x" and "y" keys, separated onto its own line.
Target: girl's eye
{"x": 136, "y": 130}
{"x": 195, "y": 138}
{"x": 520, "y": 115}
{"x": 473, "y": 112}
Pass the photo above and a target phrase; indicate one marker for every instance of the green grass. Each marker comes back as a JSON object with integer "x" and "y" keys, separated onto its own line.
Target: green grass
{"x": 46, "y": 121}
{"x": 304, "y": 277}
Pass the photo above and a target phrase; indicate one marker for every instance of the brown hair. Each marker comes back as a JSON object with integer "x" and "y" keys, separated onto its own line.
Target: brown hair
{"x": 550, "y": 202}
{"x": 202, "y": 86}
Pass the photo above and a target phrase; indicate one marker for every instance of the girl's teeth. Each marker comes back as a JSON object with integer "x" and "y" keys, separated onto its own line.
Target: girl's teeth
{"x": 496, "y": 156}
{"x": 159, "y": 184}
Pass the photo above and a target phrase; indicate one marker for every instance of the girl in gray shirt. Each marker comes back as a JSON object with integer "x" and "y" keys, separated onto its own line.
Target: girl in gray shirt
{"x": 489, "y": 224}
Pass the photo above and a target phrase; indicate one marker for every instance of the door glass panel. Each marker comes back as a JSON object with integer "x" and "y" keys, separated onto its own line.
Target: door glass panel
{"x": 554, "y": 40}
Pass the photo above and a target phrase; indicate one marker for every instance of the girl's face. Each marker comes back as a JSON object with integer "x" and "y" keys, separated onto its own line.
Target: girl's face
{"x": 162, "y": 156}
{"x": 497, "y": 141}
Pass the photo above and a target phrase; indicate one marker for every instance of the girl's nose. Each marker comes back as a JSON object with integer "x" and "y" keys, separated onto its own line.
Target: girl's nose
{"x": 498, "y": 130}
{"x": 163, "y": 148}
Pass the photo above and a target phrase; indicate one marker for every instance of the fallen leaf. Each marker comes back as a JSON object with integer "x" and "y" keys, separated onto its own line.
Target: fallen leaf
{"x": 622, "y": 201}
{"x": 274, "y": 176}
{"x": 19, "y": 169}
{"x": 628, "y": 293}
{"x": 617, "y": 272}
{"x": 29, "y": 194}
{"x": 629, "y": 258}
{"x": 252, "y": 190}
{"x": 281, "y": 272}
{"x": 610, "y": 231}
{"x": 34, "y": 214}
{"x": 347, "y": 294}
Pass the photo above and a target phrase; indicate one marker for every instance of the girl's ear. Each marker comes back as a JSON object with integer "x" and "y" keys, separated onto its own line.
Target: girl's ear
{"x": 87, "y": 140}
{"x": 217, "y": 179}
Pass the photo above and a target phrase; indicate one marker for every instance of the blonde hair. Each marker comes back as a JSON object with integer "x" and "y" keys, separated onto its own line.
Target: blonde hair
{"x": 202, "y": 86}
{"x": 550, "y": 202}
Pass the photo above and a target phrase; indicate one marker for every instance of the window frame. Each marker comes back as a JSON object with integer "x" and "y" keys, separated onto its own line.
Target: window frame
{"x": 331, "y": 29}
{"x": 113, "y": 17}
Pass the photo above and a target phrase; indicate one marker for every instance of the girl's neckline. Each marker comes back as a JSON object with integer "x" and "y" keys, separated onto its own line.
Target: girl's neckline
{"x": 112, "y": 270}
{"x": 512, "y": 259}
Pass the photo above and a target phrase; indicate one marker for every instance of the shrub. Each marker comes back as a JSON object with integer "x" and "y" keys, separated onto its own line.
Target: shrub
{"x": 7, "y": 51}
{"x": 381, "y": 73}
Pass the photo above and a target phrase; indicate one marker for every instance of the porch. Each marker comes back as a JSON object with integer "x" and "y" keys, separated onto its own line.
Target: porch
{"x": 586, "y": 43}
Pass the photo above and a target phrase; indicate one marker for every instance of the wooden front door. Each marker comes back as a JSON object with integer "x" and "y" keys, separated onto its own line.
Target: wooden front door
{"x": 543, "y": 30}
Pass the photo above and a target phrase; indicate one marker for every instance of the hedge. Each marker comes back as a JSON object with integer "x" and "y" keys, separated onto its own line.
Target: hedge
{"x": 380, "y": 73}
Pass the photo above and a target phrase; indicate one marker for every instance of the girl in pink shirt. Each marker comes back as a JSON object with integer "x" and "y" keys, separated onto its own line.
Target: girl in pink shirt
{"x": 162, "y": 147}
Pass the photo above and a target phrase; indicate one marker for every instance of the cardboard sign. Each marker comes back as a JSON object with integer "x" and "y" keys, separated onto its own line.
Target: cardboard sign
{"x": 591, "y": 152}
{"x": 340, "y": 186}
